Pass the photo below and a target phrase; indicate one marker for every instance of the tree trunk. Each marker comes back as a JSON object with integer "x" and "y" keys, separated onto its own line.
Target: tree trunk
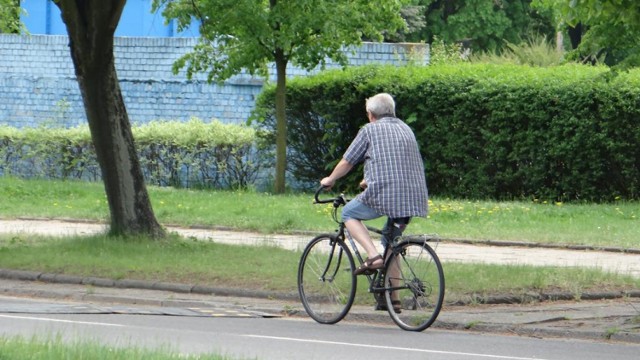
{"x": 281, "y": 123}
{"x": 559, "y": 42}
{"x": 91, "y": 26}
{"x": 575, "y": 35}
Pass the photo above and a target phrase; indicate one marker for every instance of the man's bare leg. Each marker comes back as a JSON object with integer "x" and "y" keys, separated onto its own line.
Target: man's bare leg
{"x": 360, "y": 233}
{"x": 394, "y": 276}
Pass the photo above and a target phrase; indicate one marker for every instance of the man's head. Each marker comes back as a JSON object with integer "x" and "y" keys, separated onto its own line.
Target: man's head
{"x": 381, "y": 105}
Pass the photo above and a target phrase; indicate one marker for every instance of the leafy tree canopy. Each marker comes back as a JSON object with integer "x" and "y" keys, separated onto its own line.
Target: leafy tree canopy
{"x": 483, "y": 25}
{"x": 246, "y": 34}
{"x": 249, "y": 35}
{"x": 612, "y": 28}
{"x": 10, "y": 16}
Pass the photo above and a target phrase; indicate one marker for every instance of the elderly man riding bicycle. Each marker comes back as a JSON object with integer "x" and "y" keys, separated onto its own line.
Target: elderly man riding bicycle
{"x": 394, "y": 179}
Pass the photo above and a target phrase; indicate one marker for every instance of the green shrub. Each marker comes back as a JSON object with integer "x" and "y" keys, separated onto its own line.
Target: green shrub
{"x": 536, "y": 51}
{"x": 189, "y": 154}
{"x": 563, "y": 133}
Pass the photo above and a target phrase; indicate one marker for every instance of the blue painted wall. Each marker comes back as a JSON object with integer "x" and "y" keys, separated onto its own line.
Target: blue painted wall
{"x": 43, "y": 17}
{"x": 38, "y": 84}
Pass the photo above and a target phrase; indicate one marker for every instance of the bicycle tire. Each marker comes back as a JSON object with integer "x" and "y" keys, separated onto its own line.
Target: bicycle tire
{"x": 420, "y": 285}
{"x": 326, "y": 284}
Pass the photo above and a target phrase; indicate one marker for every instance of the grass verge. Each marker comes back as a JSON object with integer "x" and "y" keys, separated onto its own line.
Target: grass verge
{"x": 20, "y": 348}
{"x": 616, "y": 224}
{"x": 269, "y": 268}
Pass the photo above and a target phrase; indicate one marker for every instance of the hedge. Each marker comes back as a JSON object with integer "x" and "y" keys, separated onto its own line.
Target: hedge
{"x": 486, "y": 131}
{"x": 184, "y": 154}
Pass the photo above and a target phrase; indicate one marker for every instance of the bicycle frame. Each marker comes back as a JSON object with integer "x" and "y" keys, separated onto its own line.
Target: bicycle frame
{"x": 410, "y": 285}
{"x": 342, "y": 234}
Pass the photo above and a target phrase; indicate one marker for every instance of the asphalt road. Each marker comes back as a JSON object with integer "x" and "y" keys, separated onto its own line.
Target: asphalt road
{"x": 246, "y": 335}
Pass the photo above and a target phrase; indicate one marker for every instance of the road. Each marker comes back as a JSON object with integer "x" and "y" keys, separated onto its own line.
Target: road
{"x": 246, "y": 336}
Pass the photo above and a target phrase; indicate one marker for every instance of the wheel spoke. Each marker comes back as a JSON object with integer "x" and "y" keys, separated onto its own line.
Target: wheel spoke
{"x": 326, "y": 283}
{"x": 415, "y": 278}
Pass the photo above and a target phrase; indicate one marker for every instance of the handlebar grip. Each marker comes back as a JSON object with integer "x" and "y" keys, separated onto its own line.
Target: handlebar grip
{"x": 317, "y": 200}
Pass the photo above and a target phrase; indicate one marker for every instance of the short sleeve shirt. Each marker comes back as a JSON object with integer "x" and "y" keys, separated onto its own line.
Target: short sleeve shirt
{"x": 393, "y": 168}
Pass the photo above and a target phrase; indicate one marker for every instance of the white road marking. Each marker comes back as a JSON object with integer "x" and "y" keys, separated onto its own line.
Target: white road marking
{"x": 369, "y": 346}
{"x": 60, "y": 320}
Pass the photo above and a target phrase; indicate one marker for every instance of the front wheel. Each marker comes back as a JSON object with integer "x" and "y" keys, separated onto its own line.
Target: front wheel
{"x": 414, "y": 284}
{"x": 326, "y": 283}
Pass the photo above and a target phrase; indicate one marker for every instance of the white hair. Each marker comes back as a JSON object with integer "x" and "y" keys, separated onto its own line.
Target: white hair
{"x": 381, "y": 105}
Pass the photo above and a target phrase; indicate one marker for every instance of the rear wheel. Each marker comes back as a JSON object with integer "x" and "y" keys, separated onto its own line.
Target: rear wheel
{"x": 326, "y": 283}
{"x": 415, "y": 282}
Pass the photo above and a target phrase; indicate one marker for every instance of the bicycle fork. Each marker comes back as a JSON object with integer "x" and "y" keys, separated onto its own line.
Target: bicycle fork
{"x": 327, "y": 268}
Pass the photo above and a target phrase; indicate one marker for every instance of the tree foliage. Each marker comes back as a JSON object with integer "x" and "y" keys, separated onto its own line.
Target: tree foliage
{"x": 245, "y": 34}
{"x": 481, "y": 24}
{"x": 612, "y": 28}
{"x": 10, "y": 16}
{"x": 249, "y": 35}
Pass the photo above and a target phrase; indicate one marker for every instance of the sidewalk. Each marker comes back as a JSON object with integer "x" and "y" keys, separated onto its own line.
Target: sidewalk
{"x": 448, "y": 251}
{"x": 616, "y": 319}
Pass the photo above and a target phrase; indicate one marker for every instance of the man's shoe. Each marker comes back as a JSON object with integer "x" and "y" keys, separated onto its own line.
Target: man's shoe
{"x": 382, "y": 306}
{"x": 368, "y": 267}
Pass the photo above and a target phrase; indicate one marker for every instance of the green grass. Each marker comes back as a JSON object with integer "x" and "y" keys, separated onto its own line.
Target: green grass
{"x": 266, "y": 268}
{"x": 173, "y": 259}
{"x": 274, "y": 269}
{"x": 20, "y": 348}
{"x": 616, "y": 224}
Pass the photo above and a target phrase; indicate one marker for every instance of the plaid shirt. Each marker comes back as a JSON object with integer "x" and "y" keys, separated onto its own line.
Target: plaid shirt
{"x": 393, "y": 168}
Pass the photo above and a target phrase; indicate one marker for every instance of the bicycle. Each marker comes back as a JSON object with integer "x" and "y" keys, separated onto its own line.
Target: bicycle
{"x": 327, "y": 285}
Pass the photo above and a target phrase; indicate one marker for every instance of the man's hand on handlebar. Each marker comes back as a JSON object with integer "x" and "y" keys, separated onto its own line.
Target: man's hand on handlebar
{"x": 327, "y": 182}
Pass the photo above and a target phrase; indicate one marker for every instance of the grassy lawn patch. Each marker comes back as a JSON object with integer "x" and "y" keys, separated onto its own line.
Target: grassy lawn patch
{"x": 267, "y": 268}
{"x": 270, "y": 268}
{"x": 615, "y": 224}
{"x": 20, "y": 348}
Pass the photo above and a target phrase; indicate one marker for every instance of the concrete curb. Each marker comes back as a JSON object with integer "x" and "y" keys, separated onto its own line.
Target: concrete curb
{"x": 26, "y": 275}
{"x": 231, "y": 292}
{"x": 539, "y": 332}
{"x": 474, "y": 313}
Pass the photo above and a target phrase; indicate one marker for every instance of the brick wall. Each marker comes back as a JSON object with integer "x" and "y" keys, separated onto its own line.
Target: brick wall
{"x": 38, "y": 86}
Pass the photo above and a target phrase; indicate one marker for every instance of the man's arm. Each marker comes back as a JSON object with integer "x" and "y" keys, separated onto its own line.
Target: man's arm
{"x": 339, "y": 171}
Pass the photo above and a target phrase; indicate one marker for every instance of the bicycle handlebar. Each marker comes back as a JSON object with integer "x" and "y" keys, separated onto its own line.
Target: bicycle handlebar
{"x": 337, "y": 201}
{"x": 317, "y": 200}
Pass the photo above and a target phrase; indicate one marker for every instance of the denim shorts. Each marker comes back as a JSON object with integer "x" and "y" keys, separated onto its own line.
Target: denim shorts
{"x": 358, "y": 211}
